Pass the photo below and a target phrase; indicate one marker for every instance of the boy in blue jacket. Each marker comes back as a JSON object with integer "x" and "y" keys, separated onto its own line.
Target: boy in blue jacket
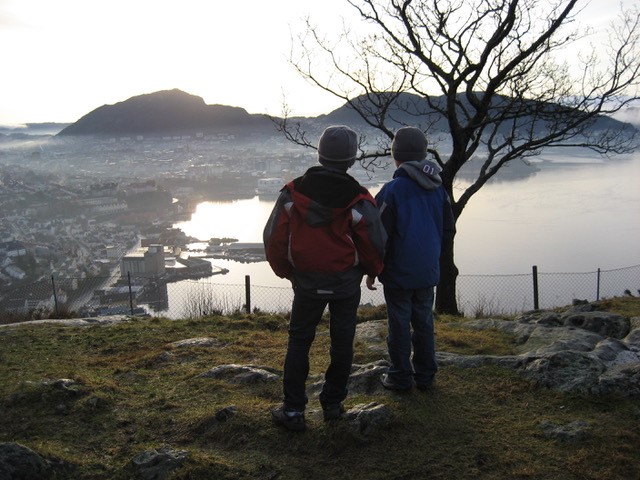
{"x": 416, "y": 213}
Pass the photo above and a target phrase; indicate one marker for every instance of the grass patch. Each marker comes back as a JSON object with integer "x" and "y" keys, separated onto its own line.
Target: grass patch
{"x": 134, "y": 390}
{"x": 451, "y": 338}
{"x": 626, "y": 306}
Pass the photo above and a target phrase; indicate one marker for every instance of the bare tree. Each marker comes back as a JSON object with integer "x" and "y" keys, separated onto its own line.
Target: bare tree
{"x": 498, "y": 80}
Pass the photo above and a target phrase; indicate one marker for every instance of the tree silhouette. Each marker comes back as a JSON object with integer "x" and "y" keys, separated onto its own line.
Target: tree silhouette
{"x": 489, "y": 80}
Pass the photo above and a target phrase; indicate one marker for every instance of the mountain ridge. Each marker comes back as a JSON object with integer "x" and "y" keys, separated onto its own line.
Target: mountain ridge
{"x": 177, "y": 112}
{"x": 164, "y": 112}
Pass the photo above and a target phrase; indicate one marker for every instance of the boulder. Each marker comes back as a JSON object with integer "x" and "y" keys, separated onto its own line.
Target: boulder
{"x": 242, "y": 374}
{"x": 603, "y": 323}
{"x": 582, "y": 350}
{"x": 156, "y": 464}
{"x": 571, "y": 432}
{"x": 366, "y": 419}
{"x": 198, "y": 342}
{"x": 18, "y": 462}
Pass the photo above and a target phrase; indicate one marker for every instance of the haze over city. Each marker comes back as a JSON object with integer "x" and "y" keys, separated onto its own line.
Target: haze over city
{"x": 173, "y": 161}
{"x": 63, "y": 59}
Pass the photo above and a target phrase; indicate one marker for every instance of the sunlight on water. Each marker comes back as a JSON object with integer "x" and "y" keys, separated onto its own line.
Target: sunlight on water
{"x": 564, "y": 218}
{"x": 576, "y": 215}
{"x": 240, "y": 219}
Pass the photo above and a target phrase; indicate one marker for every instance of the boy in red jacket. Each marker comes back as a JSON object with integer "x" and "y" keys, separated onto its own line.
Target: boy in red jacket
{"x": 324, "y": 234}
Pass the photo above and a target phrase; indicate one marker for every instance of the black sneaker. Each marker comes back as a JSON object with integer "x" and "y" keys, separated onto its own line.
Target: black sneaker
{"x": 391, "y": 385}
{"x": 295, "y": 422}
{"x": 332, "y": 412}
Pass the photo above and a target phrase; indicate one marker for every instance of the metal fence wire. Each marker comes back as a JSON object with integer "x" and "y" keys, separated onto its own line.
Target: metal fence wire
{"x": 477, "y": 295}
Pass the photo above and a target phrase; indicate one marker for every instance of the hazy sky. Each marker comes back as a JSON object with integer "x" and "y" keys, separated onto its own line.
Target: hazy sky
{"x": 63, "y": 58}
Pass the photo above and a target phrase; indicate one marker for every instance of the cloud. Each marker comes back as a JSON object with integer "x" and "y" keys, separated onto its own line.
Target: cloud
{"x": 630, "y": 115}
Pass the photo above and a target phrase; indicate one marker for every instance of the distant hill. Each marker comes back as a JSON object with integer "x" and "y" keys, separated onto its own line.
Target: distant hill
{"x": 166, "y": 112}
{"x": 177, "y": 112}
{"x": 410, "y": 109}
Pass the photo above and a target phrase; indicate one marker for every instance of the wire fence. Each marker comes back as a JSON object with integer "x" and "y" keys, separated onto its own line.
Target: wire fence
{"x": 478, "y": 295}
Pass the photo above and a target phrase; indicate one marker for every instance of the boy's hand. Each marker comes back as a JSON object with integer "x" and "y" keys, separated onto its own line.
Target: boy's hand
{"x": 370, "y": 281}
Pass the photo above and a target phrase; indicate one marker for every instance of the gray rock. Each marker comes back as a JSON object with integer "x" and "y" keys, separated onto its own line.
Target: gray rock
{"x": 623, "y": 380}
{"x": 551, "y": 319}
{"x": 164, "y": 357}
{"x": 603, "y": 323}
{"x": 520, "y": 330}
{"x": 633, "y": 339}
{"x": 570, "y": 432}
{"x": 157, "y": 464}
{"x": 366, "y": 419}
{"x": 472, "y": 361}
{"x": 66, "y": 385}
{"x": 74, "y": 322}
{"x": 373, "y": 335}
{"x": 198, "y": 342}
{"x": 566, "y": 371}
{"x": 365, "y": 379}
{"x": 547, "y": 340}
{"x": 243, "y": 374}
{"x": 581, "y": 306}
{"x": 580, "y": 350}
{"x": 18, "y": 462}
{"x": 226, "y": 413}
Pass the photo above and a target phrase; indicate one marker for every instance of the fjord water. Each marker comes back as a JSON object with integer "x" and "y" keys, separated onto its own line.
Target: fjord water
{"x": 573, "y": 214}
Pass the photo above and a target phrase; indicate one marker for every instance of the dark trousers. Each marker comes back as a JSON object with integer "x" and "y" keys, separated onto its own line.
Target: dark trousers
{"x": 411, "y": 324}
{"x": 306, "y": 313}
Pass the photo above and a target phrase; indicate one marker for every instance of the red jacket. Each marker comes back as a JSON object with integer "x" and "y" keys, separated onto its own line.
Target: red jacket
{"x": 325, "y": 233}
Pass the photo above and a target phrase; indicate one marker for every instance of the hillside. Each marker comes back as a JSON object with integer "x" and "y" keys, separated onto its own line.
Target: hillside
{"x": 410, "y": 109}
{"x": 166, "y": 112}
{"x": 190, "y": 399}
{"x": 174, "y": 112}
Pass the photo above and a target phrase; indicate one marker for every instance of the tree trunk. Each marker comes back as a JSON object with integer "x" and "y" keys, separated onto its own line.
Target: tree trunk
{"x": 446, "y": 301}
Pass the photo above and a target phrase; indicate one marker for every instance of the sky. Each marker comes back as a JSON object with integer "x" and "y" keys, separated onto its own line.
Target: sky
{"x": 62, "y": 59}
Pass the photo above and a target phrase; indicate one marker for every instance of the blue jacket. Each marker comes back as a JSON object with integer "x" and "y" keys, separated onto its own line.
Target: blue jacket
{"x": 416, "y": 214}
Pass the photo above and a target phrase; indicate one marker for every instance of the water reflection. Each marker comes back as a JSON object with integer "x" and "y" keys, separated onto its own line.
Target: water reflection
{"x": 567, "y": 218}
{"x": 576, "y": 214}
{"x": 241, "y": 219}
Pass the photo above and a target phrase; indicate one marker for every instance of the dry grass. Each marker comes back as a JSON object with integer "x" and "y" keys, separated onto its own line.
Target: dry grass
{"x": 477, "y": 423}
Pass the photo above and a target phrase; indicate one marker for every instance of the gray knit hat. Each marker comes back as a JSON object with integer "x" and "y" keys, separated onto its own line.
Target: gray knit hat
{"x": 337, "y": 147}
{"x": 409, "y": 143}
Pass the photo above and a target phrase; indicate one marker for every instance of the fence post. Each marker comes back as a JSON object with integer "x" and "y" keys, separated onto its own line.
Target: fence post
{"x": 535, "y": 287}
{"x": 130, "y": 293}
{"x": 598, "y": 287}
{"x": 55, "y": 295}
{"x": 247, "y": 292}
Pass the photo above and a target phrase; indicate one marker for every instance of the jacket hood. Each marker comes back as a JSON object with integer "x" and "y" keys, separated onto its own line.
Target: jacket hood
{"x": 424, "y": 172}
{"x": 323, "y": 194}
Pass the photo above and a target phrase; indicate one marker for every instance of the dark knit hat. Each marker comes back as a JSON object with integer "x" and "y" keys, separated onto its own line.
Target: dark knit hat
{"x": 409, "y": 143}
{"x": 337, "y": 147}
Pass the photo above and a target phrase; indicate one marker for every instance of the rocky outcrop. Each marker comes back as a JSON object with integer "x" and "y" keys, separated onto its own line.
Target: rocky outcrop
{"x": 206, "y": 342}
{"x": 242, "y": 374}
{"x": 368, "y": 418}
{"x": 73, "y": 322}
{"x": 18, "y": 462}
{"x": 569, "y": 433}
{"x": 576, "y": 351}
{"x": 156, "y": 464}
